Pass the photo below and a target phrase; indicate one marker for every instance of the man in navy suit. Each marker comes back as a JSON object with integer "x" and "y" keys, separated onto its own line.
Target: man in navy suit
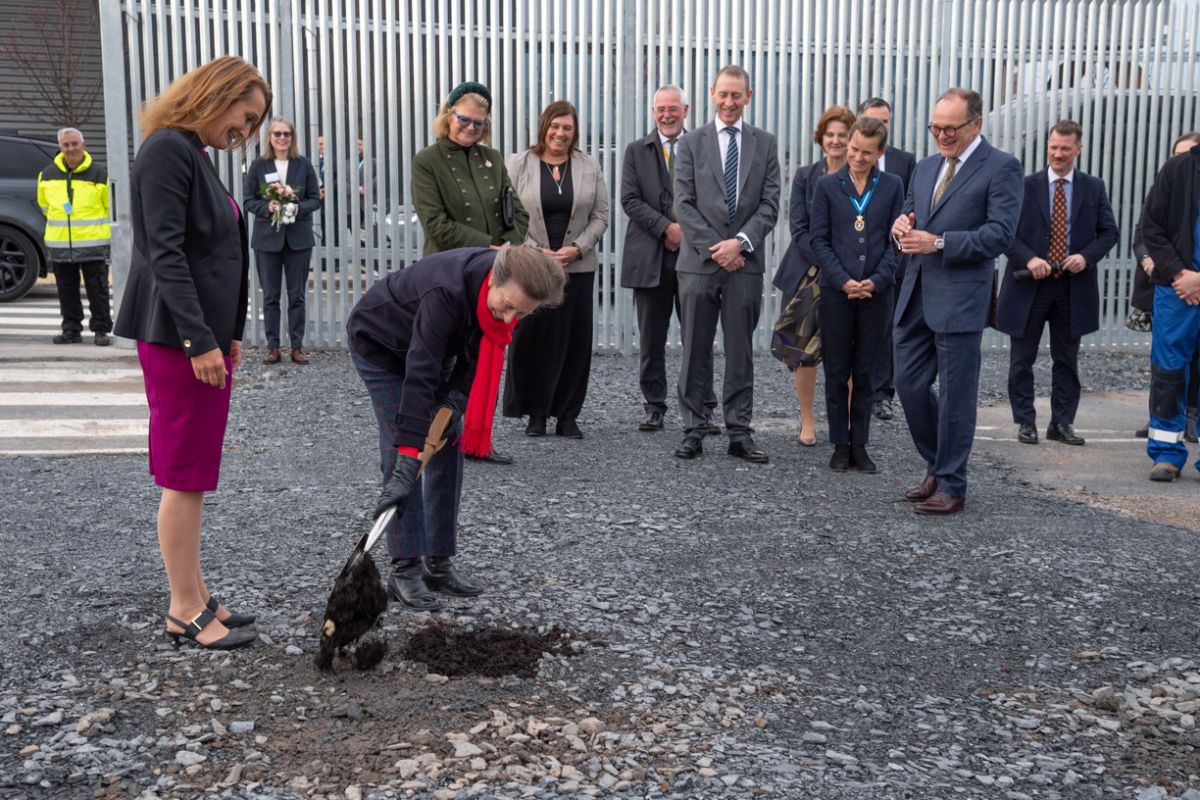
{"x": 900, "y": 163}
{"x": 961, "y": 212}
{"x": 1066, "y": 227}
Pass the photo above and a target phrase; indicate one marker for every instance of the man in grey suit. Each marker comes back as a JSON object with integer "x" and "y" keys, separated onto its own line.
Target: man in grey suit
{"x": 900, "y": 163}
{"x": 727, "y": 202}
{"x": 652, "y": 243}
{"x": 961, "y": 212}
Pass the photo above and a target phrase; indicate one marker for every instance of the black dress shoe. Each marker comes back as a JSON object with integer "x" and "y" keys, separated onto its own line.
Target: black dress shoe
{"x": 491, "y": 458}
{"x": 1063, "y": 432}
{"x": 536, "y": 426}
{"x": 860, "y": 460}
{"x": 566, "y": 426}
{"x": 1142, "y": 433}
{"x": 102, "y": 340}
{"x": 692, "y": 447}
{"x": 1027, "y": 433}
{"x": 441, "y": 576}
{"x": 744, "y": 449}
{"x": 840, "y": 460}
{"x": 884, "y": 411}
{"x": 233, "y": 620}
{"x": 407, "y": 585}
{"x": 70, "y": 338}
{"x": 230, "y": 641}
{"x": 922, "y": 492}
{"x": 653, "y": 421}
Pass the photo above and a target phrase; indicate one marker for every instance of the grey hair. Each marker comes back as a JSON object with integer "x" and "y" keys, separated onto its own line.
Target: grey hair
{"x": 62, "y": 131}
{"x": 538, "y": 275}
{"x": 670, "y": 87}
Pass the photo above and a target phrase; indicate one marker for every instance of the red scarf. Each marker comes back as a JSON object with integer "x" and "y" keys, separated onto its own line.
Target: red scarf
{"x": 481, "y": 403}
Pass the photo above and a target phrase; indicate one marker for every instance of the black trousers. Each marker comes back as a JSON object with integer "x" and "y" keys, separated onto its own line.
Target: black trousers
{"x": 852, "y": 333}
{"x": 653, "y": 307}
{"x": 885, "y": 388}
{"x": 1052, "y": 304}
{"x": 274, "y": 269}
{"x": 550, "y": 356}
{"x": 95, "y": 283}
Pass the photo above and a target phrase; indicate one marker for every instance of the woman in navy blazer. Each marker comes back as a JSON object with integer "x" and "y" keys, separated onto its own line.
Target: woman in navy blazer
{"x": 796, "y": 274}
{"x": 850, "y": 225}
{"x": 185, "y": 304}
{"x": 283, "y": 252}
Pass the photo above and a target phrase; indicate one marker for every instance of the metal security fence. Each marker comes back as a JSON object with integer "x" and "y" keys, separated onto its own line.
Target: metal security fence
{"x": 375, "y": 71}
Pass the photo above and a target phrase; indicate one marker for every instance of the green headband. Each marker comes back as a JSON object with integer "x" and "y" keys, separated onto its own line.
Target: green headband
{"x": 469, "y": 87}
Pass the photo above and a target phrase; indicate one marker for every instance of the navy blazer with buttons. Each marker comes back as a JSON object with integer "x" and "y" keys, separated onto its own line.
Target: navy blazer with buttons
{"x": 300, "y": 176}
{"x": 1092, "y": 232}
{"x": 842, "y": 252}
{"x": 189, "y": 270}
{"x": 799, "y": 256}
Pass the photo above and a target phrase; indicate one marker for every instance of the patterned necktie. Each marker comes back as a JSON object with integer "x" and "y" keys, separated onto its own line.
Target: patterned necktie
{"x": 941, "y": 189}
{"x": 671, "y": 175}
{"x": 731, "y": 171}
{"x": 1058, "y": 224}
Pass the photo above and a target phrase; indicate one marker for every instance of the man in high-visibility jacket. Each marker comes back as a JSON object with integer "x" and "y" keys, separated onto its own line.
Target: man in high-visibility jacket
{"x": 73, "y": 194}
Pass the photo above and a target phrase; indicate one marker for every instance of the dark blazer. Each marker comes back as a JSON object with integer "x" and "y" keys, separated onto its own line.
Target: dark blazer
{"x": 1093, "y": 232}
{"x": 1169, "y": 218}
{"x": 418, "y": 319}
{"x": 844, "y": 253}
{"x": 647, "y": 197}
{"x": 700, "y": 196}
{"x": 300, "y": 176}
{"x": 799, "y": 256}
{"x": 900, "y": 163}
{"x": 1142, "y": 295}
{"x": 977, "y": 216}
{"x": 189, "y": 272}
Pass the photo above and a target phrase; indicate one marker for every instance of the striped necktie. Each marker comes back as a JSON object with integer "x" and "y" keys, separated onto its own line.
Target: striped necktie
{"x": 941, "y": 189}
{"x": 731, "y": 171}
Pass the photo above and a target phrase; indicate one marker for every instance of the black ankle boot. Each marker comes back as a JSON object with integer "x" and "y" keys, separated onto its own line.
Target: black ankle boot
{"x": 441, "y": 576}
{"x": 407, "y": 585}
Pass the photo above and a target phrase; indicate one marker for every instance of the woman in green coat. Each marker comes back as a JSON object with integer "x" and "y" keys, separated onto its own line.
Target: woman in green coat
{"x": 461, "y": 190}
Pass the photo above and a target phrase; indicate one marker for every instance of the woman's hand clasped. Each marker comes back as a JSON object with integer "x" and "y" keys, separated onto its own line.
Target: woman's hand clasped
{"x": 210, "y": 367}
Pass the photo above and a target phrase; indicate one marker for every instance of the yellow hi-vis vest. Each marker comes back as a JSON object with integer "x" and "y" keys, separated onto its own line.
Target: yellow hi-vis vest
{"x": 75, "y": 202}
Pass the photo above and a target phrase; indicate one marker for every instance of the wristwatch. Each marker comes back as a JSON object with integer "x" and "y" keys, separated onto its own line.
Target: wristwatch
{"x": 939, "y": 243}
{"x": 743, "y": 243}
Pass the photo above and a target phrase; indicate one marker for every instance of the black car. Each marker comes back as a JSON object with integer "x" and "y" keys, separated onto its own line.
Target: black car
{"x": 22, "y": 253}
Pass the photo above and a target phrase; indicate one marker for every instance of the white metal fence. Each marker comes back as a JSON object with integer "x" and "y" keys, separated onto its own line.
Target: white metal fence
{"x": 376, "y": 70}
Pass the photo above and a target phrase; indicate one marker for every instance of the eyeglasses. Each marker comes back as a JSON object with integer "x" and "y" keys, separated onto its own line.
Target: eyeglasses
{"x": 938, "y": 130}
{"x": 281, "y": 134}
{"x": 467, "y": 122}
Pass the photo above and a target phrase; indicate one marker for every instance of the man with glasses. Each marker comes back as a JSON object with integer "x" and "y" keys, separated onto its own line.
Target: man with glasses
{"x": 652, "y": 243}
{"x": 960, "y": 214}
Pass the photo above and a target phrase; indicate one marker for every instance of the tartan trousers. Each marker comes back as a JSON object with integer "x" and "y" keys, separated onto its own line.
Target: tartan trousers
{"x": 429, "y": 525}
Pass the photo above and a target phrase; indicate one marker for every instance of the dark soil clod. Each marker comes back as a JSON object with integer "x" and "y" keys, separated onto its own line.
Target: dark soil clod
{"x": 487, "y": 652}
{"x": 368, "y": 654}
{"x": 357, "y": 600}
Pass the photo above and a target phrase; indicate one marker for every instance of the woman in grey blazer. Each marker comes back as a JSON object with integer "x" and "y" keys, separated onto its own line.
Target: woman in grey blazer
{"x": 282, "y": 254}
{"x": 551, "y": 353}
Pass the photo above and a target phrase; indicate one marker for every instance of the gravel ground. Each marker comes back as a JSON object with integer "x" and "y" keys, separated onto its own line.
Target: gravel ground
{"x": 735, "y": 631}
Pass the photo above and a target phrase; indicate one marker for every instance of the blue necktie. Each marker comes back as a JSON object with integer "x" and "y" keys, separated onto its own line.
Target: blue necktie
{"x": 731, "y": 171}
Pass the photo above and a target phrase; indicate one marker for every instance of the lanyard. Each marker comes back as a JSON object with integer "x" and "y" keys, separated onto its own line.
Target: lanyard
{"x": 860, "y": 206}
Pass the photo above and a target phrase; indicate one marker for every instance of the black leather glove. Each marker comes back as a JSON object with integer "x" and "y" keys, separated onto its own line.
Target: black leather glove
{"x": 456, "y": 401}
{"x": 400, "y": 486}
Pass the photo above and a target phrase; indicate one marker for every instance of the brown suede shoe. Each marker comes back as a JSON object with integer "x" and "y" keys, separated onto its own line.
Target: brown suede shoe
{"x": 940, "y": 504}
{"x": 298, "y": 356}
{"x": 922, "y": 492}
{"x": 272, "y": 356}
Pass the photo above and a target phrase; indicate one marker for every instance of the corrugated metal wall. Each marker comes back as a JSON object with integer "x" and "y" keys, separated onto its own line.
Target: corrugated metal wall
{"x": 376, "y": 70}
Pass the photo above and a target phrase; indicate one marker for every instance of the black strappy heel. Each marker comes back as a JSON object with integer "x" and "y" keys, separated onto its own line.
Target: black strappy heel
{"x": 235, "y": 620}
{"x": 230, "y": 641}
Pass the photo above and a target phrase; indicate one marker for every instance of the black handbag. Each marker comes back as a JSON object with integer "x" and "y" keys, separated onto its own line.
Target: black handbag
{"x": 508, "y": 208}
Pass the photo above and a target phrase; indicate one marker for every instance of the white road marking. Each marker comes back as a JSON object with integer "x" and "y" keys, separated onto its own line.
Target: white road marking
{"x": 42, "y": 399}
{"x": 71, "y": 428}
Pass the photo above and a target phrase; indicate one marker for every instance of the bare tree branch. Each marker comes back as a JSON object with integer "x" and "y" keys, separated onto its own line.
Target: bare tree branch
{"x": 48, "y": 50}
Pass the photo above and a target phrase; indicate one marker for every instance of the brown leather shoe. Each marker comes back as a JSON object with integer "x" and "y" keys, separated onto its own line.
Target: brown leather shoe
{"x": 922, "y": 492}
{"x": 298, "y": 356}
{"x": 272, "y": 356}
{"x": 940, "y": 503}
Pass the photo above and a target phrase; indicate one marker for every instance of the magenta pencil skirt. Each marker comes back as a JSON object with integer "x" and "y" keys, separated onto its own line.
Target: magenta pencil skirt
{"x": 187, "y": 420}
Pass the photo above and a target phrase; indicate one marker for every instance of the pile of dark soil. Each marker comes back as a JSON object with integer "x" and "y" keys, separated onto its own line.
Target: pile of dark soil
{"x": 489, "y": 652}
{"x": 353, "y": 608}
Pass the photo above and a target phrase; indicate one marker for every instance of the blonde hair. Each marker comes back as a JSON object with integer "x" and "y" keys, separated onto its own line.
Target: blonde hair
{"x": 198, "y": 98}
{"x": 441, "y": 123}
{"x": 539, "y": 276}
{"x": 268, "y": 149}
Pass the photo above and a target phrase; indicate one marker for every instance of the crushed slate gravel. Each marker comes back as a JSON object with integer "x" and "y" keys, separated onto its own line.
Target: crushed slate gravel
{"x": 730, "y": 630}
